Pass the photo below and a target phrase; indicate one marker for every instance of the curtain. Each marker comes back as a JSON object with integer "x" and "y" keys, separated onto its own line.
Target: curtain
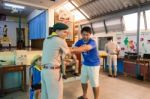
{"x": 37, "y": 27}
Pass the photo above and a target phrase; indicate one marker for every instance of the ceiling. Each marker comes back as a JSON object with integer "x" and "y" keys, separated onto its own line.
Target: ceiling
{"x": 30, "y": 5}
{"x": 93, "y": 8}
{"x": 98, "y": 8}
{"x": 6, "y": 11}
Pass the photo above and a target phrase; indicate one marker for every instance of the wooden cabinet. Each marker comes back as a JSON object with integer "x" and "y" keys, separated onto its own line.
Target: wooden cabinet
{"x": 8, "y": 69}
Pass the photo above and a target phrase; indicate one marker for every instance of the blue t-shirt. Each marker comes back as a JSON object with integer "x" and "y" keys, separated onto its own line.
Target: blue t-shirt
{"x": 36, "y": 75}
{"x": 91, "y": 57}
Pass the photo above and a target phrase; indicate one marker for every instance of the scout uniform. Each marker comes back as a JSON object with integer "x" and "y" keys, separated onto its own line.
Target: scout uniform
{"x": 112, "y": 49}
{"x": 54, "y": 48}
{"x": 35, "y": 75}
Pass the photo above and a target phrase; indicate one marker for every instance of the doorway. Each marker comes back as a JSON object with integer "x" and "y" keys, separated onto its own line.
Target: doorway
{"x": 101, "y": 42}
{"x": 20, "y": 38}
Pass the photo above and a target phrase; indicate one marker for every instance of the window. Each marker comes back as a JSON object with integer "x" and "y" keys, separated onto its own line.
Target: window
{"x": 101, "y": 42}
{"x": 70, "y": 8}
{"x": 142, "y": 25}
{"x": 130, "y": 22}
{"x": 77, "y": 15}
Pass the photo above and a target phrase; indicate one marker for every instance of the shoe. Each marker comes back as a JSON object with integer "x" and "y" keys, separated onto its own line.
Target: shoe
{"x": 109, "y": 75}
{"x": 76, "y": 74}
{"x": 81, "y": 97}
{"x": 64, "y": 77}
{"x": 115, "y": 76}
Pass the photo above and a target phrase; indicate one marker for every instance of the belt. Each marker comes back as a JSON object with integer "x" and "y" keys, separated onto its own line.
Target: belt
{"x": 113, "y": 53}
{"x": 51, "y": 67}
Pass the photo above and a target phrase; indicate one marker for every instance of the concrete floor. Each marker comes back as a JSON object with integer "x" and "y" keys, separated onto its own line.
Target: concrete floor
{"x": 110, "y": 88}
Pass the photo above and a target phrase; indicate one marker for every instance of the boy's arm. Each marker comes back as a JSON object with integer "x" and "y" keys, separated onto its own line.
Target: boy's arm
{"x": 84, "y": 48}
{"x": 81, "y": 49}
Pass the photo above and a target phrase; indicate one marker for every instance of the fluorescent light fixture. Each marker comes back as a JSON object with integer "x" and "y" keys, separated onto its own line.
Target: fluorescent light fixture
{"x": 14, "y": 6}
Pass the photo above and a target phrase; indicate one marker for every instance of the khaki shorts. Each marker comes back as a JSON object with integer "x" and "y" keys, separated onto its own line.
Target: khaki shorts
{"x": 90, "y": 73}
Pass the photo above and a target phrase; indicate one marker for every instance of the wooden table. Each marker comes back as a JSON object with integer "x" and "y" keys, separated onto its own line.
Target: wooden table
{"x": 146, "y": 63}
{"x": 130, "y": 67}
{"x": 8, "y": 69}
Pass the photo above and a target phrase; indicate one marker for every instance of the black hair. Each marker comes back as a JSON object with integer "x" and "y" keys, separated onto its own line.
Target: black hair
{"x": 86, "y": 29}
{"x": 109, "y": 38}
{"x": 50, "y": 30}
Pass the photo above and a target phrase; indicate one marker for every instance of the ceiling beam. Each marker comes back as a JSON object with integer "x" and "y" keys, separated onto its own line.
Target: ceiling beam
{"x": 87, "y": 3}
{"x": 136, "y": 2}
{"x": 79, "y": 10}
{"x": 80, "y": 6}
{"x": 119, "y": 13}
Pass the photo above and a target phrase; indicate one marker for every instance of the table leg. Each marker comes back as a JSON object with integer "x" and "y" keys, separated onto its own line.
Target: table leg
{"x": 148, "y": 71}
{"x": 144, "y": 71}
{"x": 24, "y": 68}
{"x": 2, "y": 84}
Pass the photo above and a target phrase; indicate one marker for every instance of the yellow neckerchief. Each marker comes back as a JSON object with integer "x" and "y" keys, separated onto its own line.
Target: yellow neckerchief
{"x": 39, "y": 68}
{"x": 52, "y": 35}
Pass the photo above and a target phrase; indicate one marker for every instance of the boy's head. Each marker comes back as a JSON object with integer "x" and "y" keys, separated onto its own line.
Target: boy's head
{"x": 86, "y": 33}
{"x": 109, "y": 38}
{"x": 36, "y": 60}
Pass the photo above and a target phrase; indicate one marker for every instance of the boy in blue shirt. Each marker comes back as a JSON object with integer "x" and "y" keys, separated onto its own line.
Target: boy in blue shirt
{"x": 35, "y": 77}
{"x": 91, "y": 62}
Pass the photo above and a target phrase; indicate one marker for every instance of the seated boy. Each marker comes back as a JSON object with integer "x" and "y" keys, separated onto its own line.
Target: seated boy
{"x": 70, "y": 60}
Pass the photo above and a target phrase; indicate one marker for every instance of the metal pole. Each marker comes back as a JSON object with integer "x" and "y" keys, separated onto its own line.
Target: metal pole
{"x": 19, "y": 26}
{"x": 92, "y": 29}
{"x": 145, "y": 20}
{"x": 106, "y": 30}
{"x": 138, "y": 30}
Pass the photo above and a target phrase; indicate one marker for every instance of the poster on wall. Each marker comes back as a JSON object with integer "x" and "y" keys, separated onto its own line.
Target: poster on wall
{"x": 128, "y": 43}
{"x": 21, "y": 57}
{"x": 65, "y": 17}
{"x": 145, "y": 42}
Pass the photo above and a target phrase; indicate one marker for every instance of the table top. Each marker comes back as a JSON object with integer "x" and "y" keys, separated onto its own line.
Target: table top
{"x": 10, "y": 66}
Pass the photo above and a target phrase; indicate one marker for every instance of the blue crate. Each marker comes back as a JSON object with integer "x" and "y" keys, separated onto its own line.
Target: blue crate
{"x": 120, "y": 66}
